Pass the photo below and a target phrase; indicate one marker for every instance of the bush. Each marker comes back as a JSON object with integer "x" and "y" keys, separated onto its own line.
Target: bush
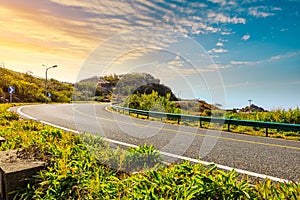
{"x": 10, "y": 116}
{"x": 152, "y": 102}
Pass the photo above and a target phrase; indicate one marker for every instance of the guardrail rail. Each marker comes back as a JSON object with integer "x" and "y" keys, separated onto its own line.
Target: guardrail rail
{"x": 200, "y": 119}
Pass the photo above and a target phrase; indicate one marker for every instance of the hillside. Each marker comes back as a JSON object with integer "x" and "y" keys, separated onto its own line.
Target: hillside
{"x": 29, "y": 88}
{"x": 117, "y": 87}
{"x": 196, "y": 107}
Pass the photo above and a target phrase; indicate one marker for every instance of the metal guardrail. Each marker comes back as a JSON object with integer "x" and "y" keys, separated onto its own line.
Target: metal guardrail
{"x": 200, "y": 119}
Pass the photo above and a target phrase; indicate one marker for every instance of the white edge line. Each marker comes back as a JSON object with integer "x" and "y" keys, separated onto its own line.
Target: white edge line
{"x": 19, "y": 110}
{"x": 241, "y": 171}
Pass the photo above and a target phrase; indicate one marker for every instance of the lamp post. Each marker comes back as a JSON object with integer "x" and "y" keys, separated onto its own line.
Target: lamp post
{"x": 250, "y": 105}
{"x": 47, "y": 68}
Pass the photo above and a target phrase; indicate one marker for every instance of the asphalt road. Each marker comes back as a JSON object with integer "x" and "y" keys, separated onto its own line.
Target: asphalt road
{"x": 273, "y": 157}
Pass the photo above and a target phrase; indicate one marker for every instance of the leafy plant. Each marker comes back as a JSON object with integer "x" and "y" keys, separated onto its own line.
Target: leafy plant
{"x": 142, "y": 157}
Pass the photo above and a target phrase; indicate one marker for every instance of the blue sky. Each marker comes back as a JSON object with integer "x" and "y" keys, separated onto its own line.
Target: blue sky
{"x": 222, "y": 51}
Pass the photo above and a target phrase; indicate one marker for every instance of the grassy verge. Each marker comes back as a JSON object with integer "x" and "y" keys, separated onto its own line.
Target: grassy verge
{"x": 85, "y": 167}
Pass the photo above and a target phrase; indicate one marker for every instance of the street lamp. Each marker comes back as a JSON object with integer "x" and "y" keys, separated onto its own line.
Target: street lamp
{"x": 47, "y": 68}
{"x": 250, "y": 105}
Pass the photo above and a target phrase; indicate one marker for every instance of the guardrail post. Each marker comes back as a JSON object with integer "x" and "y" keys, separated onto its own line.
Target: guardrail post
{"x": 178, "y": 120}
{"x": 200, "y": 122}
{"x": 228, "y": 127}
{"x": 266, "y": 132}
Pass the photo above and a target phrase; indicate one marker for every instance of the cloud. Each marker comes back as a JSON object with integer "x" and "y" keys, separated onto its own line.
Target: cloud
{"x": 218, "y": 66}
{"x": 177, "y": 62}
{"x": 226, "y": 33}
{"x": 246, "y": 37}
{"x": 195, "y": 25}
{"x": 284, "y": 56}
{"x": 215, "y": 50}
{"x": 271, "y": 59}
{"x": 295, "y": 83}
{"x": 240, "y": 62}
{"x": 262, "y": 11}
{"x": 221, "y": 18}
{"x": 219, "y": 44}
{"x": 283, "y": 29}
{"x": 198, "y": 5}
{"x": 223, "y": 2}
{"x": 74, "y": 28}
{"x": 45, "y": 34}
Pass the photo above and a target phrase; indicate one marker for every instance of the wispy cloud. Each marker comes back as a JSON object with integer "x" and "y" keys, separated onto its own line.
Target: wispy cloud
{"x": 284, "y": 56}
{"x": 80, "y": 26}
{"x": 215, "y": 50}
{"x": 177, "y": 62}
{"x": 72, "y": 29}
{"x": 271, "y": 59}
{"x": 220, "y": 17}
{"x": 246, "y": 37}
{"x": 262, "y": 11}
{"x": 223, "y": 2}
{"x": 295, "y": 83}
{"x": 240, "y": 62}
{"x": 218, "y": 66}
{"x": 49, "y": 35}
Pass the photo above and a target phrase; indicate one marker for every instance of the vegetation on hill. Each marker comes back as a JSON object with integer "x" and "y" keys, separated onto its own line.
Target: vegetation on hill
{"x": 119, "y": 87}
{"x": 32, "y": 89}
{"x": 290, "y": 116}
{"x": 84, "y": 167}
{"x": 252, "y": 108}
{"x": 153, "y": 102}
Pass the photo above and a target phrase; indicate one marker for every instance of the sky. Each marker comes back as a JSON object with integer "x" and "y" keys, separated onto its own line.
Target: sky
{"x": 222, "y": 51}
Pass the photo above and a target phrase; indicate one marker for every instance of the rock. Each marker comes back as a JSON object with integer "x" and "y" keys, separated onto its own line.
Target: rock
{"x": 15, "y": 172}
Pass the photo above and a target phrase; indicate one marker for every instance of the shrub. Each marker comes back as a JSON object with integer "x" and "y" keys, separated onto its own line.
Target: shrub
{"x": 142, "y": 157}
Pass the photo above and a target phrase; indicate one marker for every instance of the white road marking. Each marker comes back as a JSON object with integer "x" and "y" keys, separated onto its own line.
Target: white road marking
{"x": 241, "y": 171}
{"x": 25, "y": 115}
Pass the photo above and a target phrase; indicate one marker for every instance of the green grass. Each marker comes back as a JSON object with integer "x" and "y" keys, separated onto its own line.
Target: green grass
{"x": 84, "y": 166}
{"x": 290, "y": 116}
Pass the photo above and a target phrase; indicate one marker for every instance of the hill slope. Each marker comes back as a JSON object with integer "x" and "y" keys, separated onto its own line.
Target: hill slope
{"x": 32, "y": 89}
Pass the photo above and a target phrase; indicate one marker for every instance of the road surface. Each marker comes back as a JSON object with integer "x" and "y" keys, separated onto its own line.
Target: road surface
{"x": 260, "y": 155}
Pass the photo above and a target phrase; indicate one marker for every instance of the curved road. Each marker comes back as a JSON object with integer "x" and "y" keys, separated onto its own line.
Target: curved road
{"x": 260, "y": 155}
